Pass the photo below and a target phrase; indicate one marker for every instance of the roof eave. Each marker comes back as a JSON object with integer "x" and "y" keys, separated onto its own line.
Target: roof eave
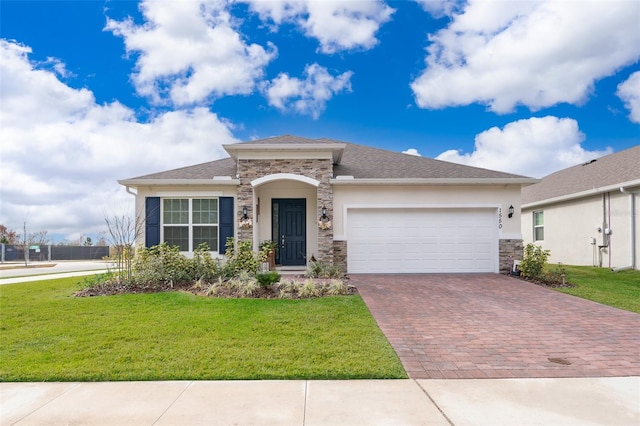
{"x": 433, "y": 181}
{"x": 179, "y": 182}
{"x": 337, "y": 149}
{"x": 582, "y": 194}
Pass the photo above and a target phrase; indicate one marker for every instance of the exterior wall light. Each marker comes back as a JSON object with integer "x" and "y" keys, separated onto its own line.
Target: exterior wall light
{"x": 245, "y": 215}
{"x": 511, "y": 211}
{"x": 324, "y": 222}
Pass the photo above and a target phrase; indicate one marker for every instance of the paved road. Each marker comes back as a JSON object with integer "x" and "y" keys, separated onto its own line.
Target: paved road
{"x": 16, "y": 272}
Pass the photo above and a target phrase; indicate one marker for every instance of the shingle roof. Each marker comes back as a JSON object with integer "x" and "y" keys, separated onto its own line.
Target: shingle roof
{"x": 359, "y": 161}
{"x": 363, "y": 162}
{"x": 224, "y": 167}
{"x": 613, "y": 169}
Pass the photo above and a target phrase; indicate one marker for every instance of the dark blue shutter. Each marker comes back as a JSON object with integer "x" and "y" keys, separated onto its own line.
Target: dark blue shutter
{"x": 225, "y": 205}
{"x": 152, "y": 221}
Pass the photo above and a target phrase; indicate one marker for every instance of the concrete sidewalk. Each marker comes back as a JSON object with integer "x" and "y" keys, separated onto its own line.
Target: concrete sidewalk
{"x": 580, "y": 401}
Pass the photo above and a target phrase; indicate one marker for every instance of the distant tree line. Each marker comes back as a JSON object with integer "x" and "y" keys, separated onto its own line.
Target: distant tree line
{"x": 41, "y": 238}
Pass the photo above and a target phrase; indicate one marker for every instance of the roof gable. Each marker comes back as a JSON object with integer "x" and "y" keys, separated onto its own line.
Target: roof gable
{"x": 286, "y": 146}
{"x": 610, "y": 170}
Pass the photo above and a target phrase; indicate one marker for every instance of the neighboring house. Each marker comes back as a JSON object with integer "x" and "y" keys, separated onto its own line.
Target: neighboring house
{"x": 363, "y": 209}
{"x": 587, "y": 214}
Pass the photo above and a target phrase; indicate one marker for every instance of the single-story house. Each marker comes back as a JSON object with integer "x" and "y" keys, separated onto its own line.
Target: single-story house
{"x": 364, "y": 209}
{"x": 587, "y": 214}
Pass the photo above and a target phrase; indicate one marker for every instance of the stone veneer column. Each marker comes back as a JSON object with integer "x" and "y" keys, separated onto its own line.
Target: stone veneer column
{"x": 509, "y": 250}
{"x": 318, "y": 169}
{"x": 245, "y": 199}
{"x": 340, "y": 255}
{"x": 325, "y": 199}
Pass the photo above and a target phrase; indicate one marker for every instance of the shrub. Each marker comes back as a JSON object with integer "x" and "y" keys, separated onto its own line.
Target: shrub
{"x": 266, "y": 247}
{"x": 265, "y": 279}
{"x": 91, "y": 281}
{"x": 203, "y": 266}
{"x": 323, "y": 270}
{"x": 215, "y": 288}
{"x": 240, "y": 259}
{"x": 534, "y": 261}
{"x": 556, "y": 276}
{"x": 288, "y": 289}
{"x": 244, "y": 283}
{"x": 309, "y": 289}
{"x": 161, "y": 264}
{"x": 336, "y": 288}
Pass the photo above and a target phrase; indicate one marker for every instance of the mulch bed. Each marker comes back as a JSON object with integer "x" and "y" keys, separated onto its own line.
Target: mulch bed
{"x": 111, "y": 288}
{"x": 542, "y": 282}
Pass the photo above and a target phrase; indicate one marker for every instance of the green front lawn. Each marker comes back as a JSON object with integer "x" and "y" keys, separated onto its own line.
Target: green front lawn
{"x": 46, "y": 334}
{"x": 619, "y": 289}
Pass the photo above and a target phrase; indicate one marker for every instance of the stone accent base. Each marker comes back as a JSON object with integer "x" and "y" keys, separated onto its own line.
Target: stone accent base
{"x": 340, "y": 255}
{"x": 509, "y": 250}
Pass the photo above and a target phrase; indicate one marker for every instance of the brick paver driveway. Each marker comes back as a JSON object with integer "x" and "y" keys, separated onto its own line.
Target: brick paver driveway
{"x": 494, "y": 326}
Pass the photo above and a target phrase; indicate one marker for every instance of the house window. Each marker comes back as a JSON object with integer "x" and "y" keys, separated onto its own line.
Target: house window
{"x": 187, "y": 222}
{"x": 538, "y": 226}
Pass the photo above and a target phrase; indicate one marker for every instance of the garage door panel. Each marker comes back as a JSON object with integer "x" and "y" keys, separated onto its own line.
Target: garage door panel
{"x": 421, "y": 240}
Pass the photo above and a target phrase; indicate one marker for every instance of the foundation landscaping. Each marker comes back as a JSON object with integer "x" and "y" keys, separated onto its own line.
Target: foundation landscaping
{"x": 163, "y": 268}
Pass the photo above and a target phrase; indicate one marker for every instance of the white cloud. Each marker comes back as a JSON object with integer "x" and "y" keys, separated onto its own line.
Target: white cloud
{"x": 190, "y": 51}
{"x": 62, "y": 152}
{"x": 629, "y": 92}
{"x": 439, "y": 8}
{"x": 412, "y": 151}
{"x": 337, "y": 25}
{"x": 308, "y": 96}
{"x": 533, "y": 53}
{"x": 532, "y": 147}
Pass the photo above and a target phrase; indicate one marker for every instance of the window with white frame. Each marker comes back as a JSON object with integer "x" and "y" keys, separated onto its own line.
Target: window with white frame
{"x": 538, "y": 226}
{"x": 188, "y": 222}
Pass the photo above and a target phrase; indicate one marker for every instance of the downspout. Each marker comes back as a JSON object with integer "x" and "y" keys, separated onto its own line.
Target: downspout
{"x": 135, "y": 194}
{"x": 632, "y": 226}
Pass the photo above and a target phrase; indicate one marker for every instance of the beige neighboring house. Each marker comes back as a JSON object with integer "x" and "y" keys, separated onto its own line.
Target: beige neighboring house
{"x": 587, "y": 214}
{"x": 364, "y": 209}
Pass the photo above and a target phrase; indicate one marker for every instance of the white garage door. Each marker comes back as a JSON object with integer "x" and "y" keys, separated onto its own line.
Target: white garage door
{"x": 421, "y": 240}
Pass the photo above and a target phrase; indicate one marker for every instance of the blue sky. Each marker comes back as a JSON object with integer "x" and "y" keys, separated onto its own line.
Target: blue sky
{"x": 95, "y": 91}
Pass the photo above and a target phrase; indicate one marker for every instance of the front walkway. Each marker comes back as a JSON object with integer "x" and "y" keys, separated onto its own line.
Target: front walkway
{"x": 494, "y": 326}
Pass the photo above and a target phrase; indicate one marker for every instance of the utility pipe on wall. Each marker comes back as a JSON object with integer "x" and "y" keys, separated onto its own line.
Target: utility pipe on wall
{"x": 605, "y": 231}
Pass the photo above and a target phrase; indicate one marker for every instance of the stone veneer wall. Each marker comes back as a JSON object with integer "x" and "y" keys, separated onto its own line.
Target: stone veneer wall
{"x": 318, "y": 169}
{"x": 340, "y": 255}
{"x": 509, "y": 250}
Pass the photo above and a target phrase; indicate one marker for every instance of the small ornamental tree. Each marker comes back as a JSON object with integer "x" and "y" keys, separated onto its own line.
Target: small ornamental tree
{"x": 124, "y": 231}
{"x": 533, "y": 261}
